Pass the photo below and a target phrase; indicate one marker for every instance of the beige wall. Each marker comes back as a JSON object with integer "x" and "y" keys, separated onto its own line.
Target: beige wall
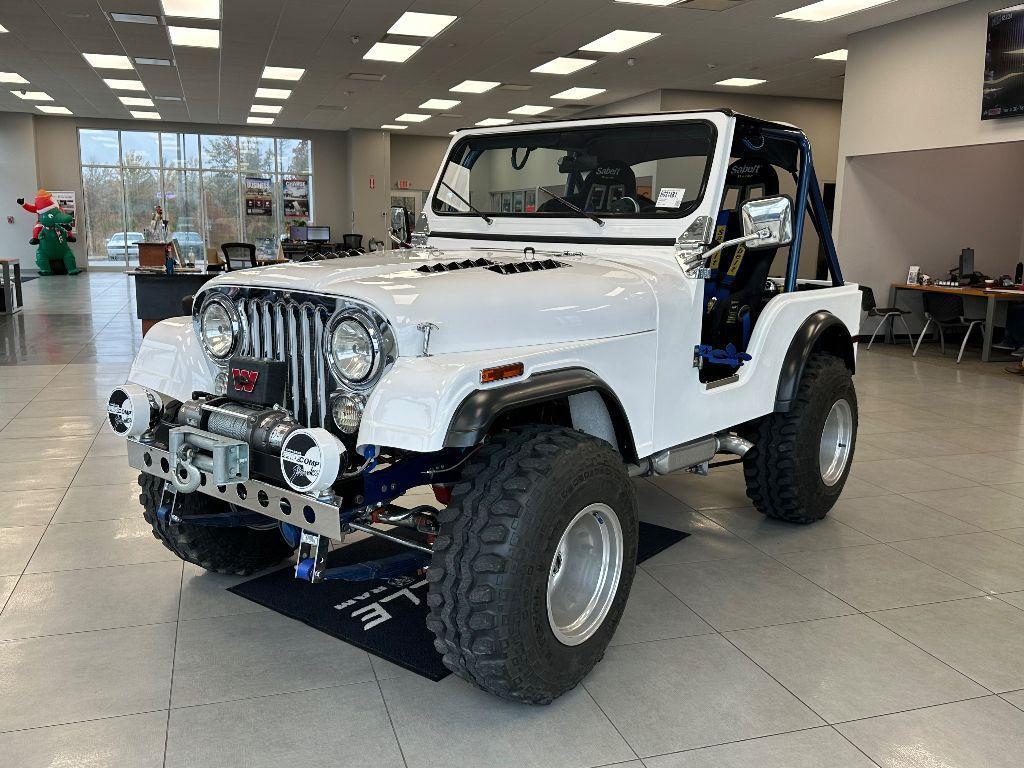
{"x": 416, "y": 159}
{"x": 369, "y": 152}
{"x": 57, "y": 162}
{"x": 17, "y": 179}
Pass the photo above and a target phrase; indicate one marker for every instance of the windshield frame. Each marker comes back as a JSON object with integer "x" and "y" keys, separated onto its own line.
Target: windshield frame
{"x": 687, "y": 209}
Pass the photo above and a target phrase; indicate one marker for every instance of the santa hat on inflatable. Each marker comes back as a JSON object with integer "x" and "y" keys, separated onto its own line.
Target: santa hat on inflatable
{"x": 44, "y": 201}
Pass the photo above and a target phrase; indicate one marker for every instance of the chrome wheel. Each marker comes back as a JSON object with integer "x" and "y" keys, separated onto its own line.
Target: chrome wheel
{"x": 836, "y": 442}
{"x": 584, "y": 574}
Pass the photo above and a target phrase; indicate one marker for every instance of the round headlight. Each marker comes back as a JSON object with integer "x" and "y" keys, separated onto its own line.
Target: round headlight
{"x": 347, "y": 411}
{"x": 353, "y": 350}
{"x": 219, "y": 329}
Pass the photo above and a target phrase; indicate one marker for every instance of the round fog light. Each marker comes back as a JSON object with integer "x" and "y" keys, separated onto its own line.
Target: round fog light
{"x": 347, "y": 412}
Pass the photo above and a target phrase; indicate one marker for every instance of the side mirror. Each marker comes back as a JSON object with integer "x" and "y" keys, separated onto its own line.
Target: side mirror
{"x": 768, "y": 221}
{"x": 399, "y": 224}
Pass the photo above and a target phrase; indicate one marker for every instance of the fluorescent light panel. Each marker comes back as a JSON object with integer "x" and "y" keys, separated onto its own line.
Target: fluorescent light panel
{"x": 393, "y": 127}
{"x": 563, "y": 65}
{"x": 267, "y": 109}
{"x": 3, "y": 29}
{"x": 135, "y": 101}
{"x": 11, "y": 77}
{"x": 412, "y": 24}
{"x": 194, "y": 37}
{"x": 578, "y": 94}
{"x": 474, "y": 86}
{"x": 33, "y": 95}
{"x": 140, "y": 115}
{"x": 839, "y": 55}
{"x": 620, "y": 40}
{"x": 659, "y": 3}
{"x": 272, "y": 93}
{"x": 168, "y": 98}
{"x": 50, "y": 110}
{"x": 134, "y": 18}
{"x": 826, "y": 10}
{"x": 108, "y": 61}
{"x": 411, "y": 117}
{"x": 741, "y": 82}
{"x": 260, "y": 120}
{"x": 124, "y": 85}
{"x": 283, "y": 73}
{"x": 153, "y": 62}
{"x": 394, "y": 52}
{"x": 440, "y": 104}
{"x": 490, "y": 121}
{"x": 529, "y": 109}
{"x": 192, "y": 9}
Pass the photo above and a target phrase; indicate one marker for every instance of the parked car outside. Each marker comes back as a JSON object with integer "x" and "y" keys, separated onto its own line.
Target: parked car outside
{"x": 117, "y": 248}
{"x": 191, "y": 244}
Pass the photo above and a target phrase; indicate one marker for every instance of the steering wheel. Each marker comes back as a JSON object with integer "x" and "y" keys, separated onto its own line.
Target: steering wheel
{"x": 632, "y": 205}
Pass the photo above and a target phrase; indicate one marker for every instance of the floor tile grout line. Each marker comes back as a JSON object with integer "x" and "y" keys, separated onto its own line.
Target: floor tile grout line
{"x": 275, "y": 694}
{"x": 391, "y": 720}
{"x": 593, "y": 698}
{"x": 80, "y": 722}
{"x": 174, "y": 654}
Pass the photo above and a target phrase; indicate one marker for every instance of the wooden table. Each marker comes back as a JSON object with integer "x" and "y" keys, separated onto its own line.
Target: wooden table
{"x": 12, "y": 285}
{"x": 158, "y": 295}
{"x": 991, "y": 297}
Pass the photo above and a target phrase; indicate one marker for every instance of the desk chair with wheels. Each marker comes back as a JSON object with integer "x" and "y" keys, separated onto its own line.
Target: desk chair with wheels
{"x": 888, "y": 314}
{"x": 946, "y": 310}
{"x": 352, "y": 242}
{"x": 238, "y": 256}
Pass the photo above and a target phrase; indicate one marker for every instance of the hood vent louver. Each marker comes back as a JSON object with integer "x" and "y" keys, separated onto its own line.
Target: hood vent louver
{"x": 453, "y": 266}
{"x": 515, "y": 267}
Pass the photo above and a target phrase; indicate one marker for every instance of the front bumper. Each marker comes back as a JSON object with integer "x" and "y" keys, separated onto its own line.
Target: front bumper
{"x": 298, "y": 509}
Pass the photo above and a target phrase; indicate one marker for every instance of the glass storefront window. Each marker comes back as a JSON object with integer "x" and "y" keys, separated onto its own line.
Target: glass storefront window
{"x": 220, "y": 152}
{"x": 221, "y": 199}
{"x": 105, "y": 227}
{"x": 99, "y": 147}
{"x": 140, "y": 148}
{"x": 256, "y": 153}
{"x": 182, "y": 205}
{"x": 294, "y": 155}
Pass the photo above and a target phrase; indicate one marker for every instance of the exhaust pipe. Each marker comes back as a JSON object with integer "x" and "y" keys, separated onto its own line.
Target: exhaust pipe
{"x": 691, "y": 454}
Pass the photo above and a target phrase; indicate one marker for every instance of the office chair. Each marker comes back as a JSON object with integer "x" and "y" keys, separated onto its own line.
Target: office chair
{"x": 946, "y": 310}
{"x": 888, "y": 314}
{"x": 238, "y": 256}
{"x": 352, "y": 242}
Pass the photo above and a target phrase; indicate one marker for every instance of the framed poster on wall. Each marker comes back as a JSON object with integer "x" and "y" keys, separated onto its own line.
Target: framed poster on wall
{"x": 295, "y": 198}
{"x": 258, "y": 199}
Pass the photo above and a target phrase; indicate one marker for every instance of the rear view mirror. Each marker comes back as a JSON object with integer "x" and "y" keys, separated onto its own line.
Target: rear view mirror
{"x": 768, "y": 222}
{"x": 577, "y": 162}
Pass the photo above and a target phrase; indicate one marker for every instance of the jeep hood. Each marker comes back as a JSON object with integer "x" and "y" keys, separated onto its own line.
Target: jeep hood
{"x": 476, "y": 307}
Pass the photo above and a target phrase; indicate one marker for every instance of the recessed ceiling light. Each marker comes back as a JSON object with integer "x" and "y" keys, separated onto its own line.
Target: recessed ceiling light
{"x": 839, "y": 55}
{"x": 192, "y": 9}
{"x": 33, "y": 95}
{"x": 283, "y": 73}
{"x": 661, "y": 3}
{"x": 620, "y": 40}
{"x": 135, "y": 101}
{"x": 53, "y": 110}
{"x": 563, "y": 65}
{"x": 826, "y": 10}
{"x": 168, "y": 98}
{"x": 267, "y": 109}
{"x": 390, "y": 52}
{"x": 741, "y": 82}
{"x": 145, "y": 115}
{"x": 11, "y": 77}
{"x": 134, "y": 18}
{"x": 272, "y": 93}
{"x": 474, "y": 86}
{"x": 529, "y": 109}
{"x": 578, "y": 94}
{"x": 153, "y": 62}
{"x": 108, "y": 61}
{"x": 411, "y": 117}
{"x": 125, "y": 85}
{"x": 393, "y": 127}
{"x": 414, "y": 24}
{"x": 439, "y": 104}
{"x": 194, "y": 37}
{"x": 493, "y": 121}
{"x": 260, "y": 120}
{"x": 3, "y": 29}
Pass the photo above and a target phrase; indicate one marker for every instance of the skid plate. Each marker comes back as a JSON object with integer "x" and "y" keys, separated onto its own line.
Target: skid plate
{"x": 281, "y": 504}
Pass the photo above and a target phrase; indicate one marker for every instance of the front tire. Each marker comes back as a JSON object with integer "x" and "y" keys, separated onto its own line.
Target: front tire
{"x": 240, "y": 551}
{"x": 533, "y": 562}
{"x": 800, "y": 460}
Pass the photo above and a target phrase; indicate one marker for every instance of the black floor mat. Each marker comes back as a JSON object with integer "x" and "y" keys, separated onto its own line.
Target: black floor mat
{"x": 387, "y": 619}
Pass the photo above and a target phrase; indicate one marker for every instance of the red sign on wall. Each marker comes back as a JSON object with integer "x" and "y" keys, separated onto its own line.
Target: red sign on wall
{"x": 404, "y": 184}
{"x": 373, "y": 182}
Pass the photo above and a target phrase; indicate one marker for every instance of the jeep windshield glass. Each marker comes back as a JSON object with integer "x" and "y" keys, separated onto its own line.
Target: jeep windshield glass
{"x": 616, "y": 171}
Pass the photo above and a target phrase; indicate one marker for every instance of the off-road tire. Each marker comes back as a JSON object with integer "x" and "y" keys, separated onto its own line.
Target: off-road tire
{"x": 489, "y": 571}
{"x": 240, "y": 551}
{"x": 782, "y": 469}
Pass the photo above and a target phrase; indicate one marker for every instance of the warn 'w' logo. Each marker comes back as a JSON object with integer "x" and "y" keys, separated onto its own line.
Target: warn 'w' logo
{"x": 244, "y": 381}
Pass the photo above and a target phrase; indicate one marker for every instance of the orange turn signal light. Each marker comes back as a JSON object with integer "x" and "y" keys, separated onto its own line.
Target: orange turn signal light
{"x": 501, "y": 372}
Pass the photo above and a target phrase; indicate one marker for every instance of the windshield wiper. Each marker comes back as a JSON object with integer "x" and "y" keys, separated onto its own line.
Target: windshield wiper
{"x": 575, "y": 208}
{"x": 468, "y": 204}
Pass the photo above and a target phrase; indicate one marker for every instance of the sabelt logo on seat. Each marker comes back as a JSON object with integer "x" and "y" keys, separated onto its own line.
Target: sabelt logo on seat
{"x": 243, "y": 380}
{"x": 301, "y": 460}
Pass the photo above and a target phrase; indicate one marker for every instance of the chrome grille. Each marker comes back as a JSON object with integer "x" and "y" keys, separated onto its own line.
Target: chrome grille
{"x": 292, "y": 332}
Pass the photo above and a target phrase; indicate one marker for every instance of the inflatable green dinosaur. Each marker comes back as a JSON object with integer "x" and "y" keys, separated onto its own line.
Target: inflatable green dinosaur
{"x": 52, "y": 233}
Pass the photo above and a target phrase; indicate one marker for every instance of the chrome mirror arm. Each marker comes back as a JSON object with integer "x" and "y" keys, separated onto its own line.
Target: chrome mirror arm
{"x": 693, "y": 262}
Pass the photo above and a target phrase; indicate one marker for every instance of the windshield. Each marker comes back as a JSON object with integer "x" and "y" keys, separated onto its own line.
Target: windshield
{"x": 620, "y": 171}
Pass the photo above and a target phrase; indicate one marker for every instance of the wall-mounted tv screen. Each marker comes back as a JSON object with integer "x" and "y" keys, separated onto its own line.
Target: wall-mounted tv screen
{"x": 1003, "y": 90}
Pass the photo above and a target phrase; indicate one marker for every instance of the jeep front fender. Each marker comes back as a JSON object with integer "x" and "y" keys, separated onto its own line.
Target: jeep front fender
{"x": 171, "y": 361}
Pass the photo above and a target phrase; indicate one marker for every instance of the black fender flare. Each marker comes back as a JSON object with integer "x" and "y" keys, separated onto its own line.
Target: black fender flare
{"x": 475, "y": 415}
{"x": 821, "y": 332}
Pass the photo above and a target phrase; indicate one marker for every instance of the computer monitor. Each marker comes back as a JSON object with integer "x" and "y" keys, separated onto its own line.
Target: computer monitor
{"x": 966, "y": 263}
{"x": 299, "y": 233}
{"x": 318, "y": 234}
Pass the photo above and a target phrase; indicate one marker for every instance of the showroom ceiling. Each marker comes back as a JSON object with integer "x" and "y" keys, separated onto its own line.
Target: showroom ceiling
{"x": 702, "y": 42}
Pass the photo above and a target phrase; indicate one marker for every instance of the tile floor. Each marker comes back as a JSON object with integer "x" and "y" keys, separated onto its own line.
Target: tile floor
{"x": 890, "y": 634}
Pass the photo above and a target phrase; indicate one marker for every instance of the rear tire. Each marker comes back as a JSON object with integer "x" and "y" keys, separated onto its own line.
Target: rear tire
{"x": 800, "y": 460}
{"x": 502, "y": 619}
{"x": 240, "y": 551}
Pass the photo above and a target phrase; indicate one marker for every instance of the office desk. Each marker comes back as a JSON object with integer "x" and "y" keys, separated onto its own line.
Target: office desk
{"x": 991, "y": 297}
